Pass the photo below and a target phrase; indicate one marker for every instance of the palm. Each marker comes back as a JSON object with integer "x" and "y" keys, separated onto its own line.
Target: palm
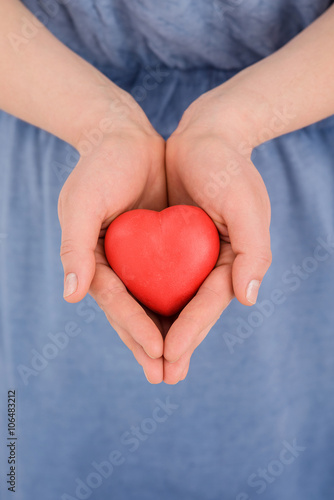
{"x": 229, "y": 188}
{"x": 126, "y": 172}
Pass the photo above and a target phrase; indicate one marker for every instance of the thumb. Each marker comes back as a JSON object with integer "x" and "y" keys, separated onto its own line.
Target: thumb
{"x": 80, "y": 232}
{"x": 250, "y": 240}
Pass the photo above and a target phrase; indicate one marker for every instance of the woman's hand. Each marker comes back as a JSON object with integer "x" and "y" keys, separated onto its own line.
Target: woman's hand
{"x": 208, "y": 164}
{"x": 204, "y": 168}
{"x": 125, "y": 171}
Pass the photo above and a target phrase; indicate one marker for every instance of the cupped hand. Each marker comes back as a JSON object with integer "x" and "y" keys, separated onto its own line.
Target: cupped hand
{"x": 205, "y": 167}
{"x": 124, "y": 171}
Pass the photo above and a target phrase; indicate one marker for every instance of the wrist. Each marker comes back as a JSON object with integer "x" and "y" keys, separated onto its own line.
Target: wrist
{"x": 224, "y": 113}
{"x": 109, "y": 111}
{"x": 241, "y": 115}
{"x": 252, "y": 106}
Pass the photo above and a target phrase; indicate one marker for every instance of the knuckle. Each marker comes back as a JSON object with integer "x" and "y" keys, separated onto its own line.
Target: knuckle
{"x": 136, "y": 315}
{"x": 67, "y": 247}
{"x": 265, "y": 257}
{"x": 105, "y": 298}
{"x": 190, "y": 321}
{"x": 212, "y": 291}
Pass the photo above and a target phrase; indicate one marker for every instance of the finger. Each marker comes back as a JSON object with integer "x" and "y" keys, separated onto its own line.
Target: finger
{"x": 175, "y": 372}
{"x": 185, "y": 373}
{"x": 163, "y": 323}
{"x": 80, "y": 223}
{"x": 153, "y": 368}
{"x": 124, "y": 311}
{"x": 248, "y": 228}
{"x": 205, "y": 308}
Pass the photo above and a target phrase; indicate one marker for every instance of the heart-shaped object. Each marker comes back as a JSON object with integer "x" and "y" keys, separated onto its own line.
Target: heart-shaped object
{"x": 163, "y": 257}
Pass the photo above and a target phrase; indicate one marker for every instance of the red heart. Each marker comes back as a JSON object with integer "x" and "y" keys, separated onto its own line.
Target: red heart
{"x": 163, "y": 257}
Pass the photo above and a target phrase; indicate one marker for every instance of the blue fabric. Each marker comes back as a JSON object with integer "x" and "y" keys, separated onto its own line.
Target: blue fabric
{"x": 255, "y": 415}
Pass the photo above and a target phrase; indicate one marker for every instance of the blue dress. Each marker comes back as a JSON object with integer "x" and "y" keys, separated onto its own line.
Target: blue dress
{"x": 254, "y": 417}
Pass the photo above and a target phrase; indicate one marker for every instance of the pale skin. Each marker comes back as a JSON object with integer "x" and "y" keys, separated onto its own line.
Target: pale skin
{"x": 206, "y": 162}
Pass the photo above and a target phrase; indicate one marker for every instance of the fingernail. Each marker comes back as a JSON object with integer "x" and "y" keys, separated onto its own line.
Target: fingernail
{"x": 149, "y": 355}
{"x": 71, "y": 284}
{"x": 147, "y": 377}
{"x": 172, "y": 362}
{"x": 252, "y": 291}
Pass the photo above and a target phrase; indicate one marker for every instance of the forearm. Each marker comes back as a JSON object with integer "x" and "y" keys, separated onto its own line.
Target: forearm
{"x": 292, "y": 88}
{"x": 46, "y": 84}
